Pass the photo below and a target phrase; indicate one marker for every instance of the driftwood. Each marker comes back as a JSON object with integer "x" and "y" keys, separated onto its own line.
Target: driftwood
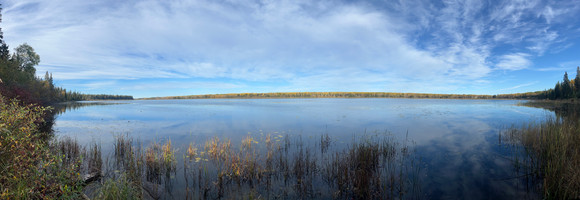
{"x": 88, "y": 178}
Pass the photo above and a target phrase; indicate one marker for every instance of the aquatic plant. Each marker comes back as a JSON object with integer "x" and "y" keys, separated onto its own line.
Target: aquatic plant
{"x": 271, "y": 166}
{"x": 119, "y": 188}
{"x": 549, "y": 153}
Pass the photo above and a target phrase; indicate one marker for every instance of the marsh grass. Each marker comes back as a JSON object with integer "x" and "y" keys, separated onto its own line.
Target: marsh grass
{"x": 119, "y": 188}
{"x": 260, "y": 167}
{"x": 94, "y": 160}
{"x": 548, "y": 152}
{"x": 375, "y": 167}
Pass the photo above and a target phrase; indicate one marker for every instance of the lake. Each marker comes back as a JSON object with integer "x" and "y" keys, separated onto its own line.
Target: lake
{"x": 456, "y": 142}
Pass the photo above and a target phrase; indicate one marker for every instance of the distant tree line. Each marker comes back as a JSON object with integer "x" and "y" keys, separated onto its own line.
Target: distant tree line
{"x": 18, "y": 80}
{"x": 528, "y": 95}
{"x": 567, "y": 89}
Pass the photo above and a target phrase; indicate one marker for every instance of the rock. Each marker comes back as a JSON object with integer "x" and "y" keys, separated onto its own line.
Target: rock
{"x": 88, "y": 178}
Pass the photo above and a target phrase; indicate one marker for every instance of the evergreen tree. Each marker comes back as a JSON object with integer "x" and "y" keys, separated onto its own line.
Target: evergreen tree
{"x": 566, "y": 87}
{"x": 558, "y": 91}
{"x": 577, "y": 83}
{"x": 4, "y": 52}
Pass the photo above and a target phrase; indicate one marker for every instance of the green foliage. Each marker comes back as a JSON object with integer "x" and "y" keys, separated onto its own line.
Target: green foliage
{"x": 27, "y": 59}
{"x": 29, "y": 168}
{"x": 18, "y": 80}
{"x": 120, "y": 188}
{"x": 4, "y": 53}
{"x": 566, "y": 89}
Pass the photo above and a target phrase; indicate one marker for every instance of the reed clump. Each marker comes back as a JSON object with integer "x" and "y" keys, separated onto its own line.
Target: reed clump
{"x": 551, "y": 153}
{"x": 373, "y": 169}
{"x": 160, "y": 160}
{"x": 119, "y": 188}
{"x": 94, "y": 160}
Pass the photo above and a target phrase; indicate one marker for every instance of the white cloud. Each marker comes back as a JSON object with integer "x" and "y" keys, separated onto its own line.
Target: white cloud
{"x": 568, "y": 66}
{"x": 207, "y": 39}
{"x": 516, "y": 61}
{"x": 519, "y": 86}
{"x": 316, "y": 44}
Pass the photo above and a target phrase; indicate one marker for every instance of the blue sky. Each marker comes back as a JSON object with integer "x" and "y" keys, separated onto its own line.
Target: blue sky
{"x": 151, "y": 48}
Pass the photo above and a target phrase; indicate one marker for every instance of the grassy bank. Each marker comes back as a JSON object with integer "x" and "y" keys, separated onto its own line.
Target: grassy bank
{"x": 549, "y": 152}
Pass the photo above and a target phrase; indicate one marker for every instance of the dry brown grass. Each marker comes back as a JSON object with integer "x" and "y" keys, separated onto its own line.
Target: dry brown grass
{"x": 552, "y": 153}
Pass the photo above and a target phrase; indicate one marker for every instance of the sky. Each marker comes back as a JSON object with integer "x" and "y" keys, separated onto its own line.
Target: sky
{"x": 149, "y": 48}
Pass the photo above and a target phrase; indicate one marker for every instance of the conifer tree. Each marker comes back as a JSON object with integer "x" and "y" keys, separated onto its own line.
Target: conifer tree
{"x": 4, "y": 52}
{"x": 577, "y": 82}
{"x": 566, "y": 87}
{"x": 558, "y": 91}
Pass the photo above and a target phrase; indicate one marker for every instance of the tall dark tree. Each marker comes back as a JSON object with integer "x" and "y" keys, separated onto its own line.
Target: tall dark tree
{"x": 4, "y": 52}
{"x": 566, "y": 87}
{"x": 558, "y": 91}
{"x": 577, "y": 82}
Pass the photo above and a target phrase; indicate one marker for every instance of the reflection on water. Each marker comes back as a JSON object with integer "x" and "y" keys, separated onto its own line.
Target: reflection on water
{"x": 456, "y": 139}
{"x": 61, "y": 108}
{"x": 563, "y": 110}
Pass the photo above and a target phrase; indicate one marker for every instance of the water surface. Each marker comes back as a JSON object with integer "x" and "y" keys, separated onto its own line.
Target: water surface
{"x": 457, "y": 140}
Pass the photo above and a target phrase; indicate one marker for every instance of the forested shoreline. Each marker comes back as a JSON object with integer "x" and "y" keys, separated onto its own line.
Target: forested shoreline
{"x": 528, "y": 95}
{"x": 18, "y": 79}
{"x": 567, "y": 89}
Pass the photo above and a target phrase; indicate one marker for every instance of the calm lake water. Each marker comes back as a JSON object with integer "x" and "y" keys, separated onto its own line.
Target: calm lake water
{"x": 457, "y": 141}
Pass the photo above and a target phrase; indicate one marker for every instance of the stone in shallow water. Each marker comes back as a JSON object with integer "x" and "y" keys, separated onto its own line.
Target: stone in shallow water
{"x": 88, "y": 178}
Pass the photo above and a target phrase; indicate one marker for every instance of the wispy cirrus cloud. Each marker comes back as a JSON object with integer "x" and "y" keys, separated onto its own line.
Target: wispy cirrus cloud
{"x": 318, "y": 45}
{"x": 515, "y": 61}
{"x": 519, "y": 86}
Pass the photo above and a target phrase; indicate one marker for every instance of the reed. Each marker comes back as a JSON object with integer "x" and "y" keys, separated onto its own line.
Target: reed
{"x": 123, "y": 148}
{"x": 94, "y": 160}
{"x": 119, "y": 188}
{"x": 153, "y": 163}
{"x": 551, "y": 153}
{"x": 272, "y": 167}
{"x": 325, "y": 142}
{"x": 168, "y": 157}
{"x": 69, "y": 149}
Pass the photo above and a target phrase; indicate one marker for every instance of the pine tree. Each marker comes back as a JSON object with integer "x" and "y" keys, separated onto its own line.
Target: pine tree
{"x": 557, "y": 91}
{"x": 577, "y": 82}
{"x": 4, "y": 52}
{"x": 566, "y": 87}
